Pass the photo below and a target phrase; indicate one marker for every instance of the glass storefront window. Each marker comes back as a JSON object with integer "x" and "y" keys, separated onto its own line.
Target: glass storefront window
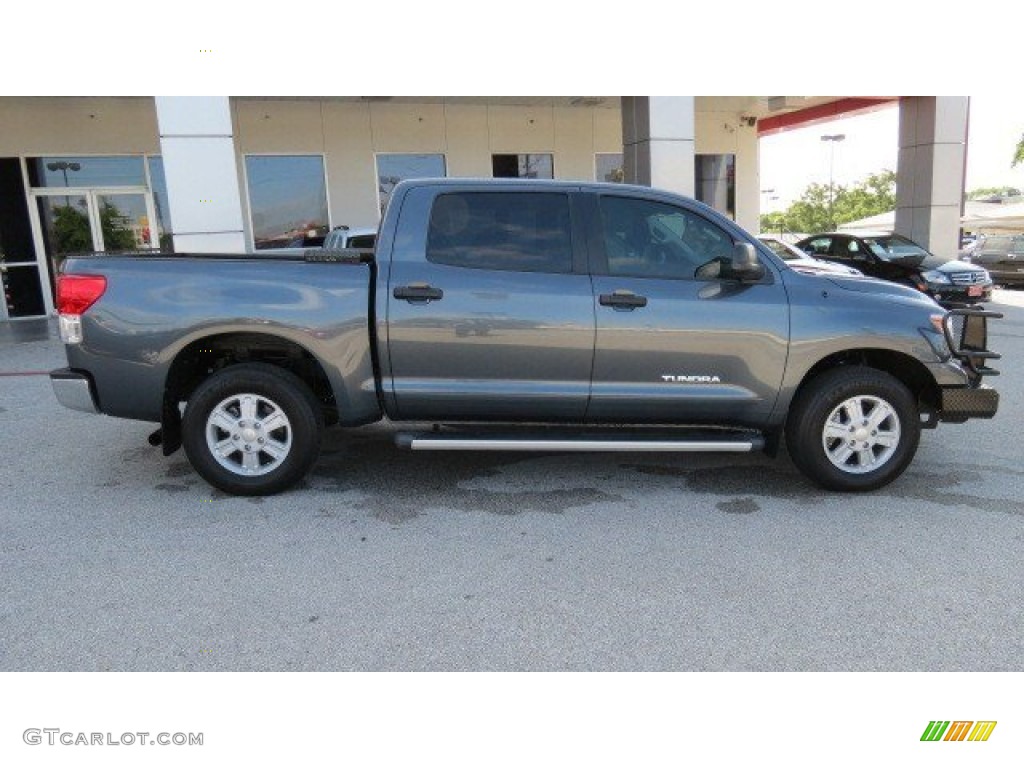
{"x": 523, "y": 166}
{"x": 609, "y": 167}
{"x": 86, "y": 171}
{"x": 287, "y": 200}
{"x": 392, "y": 169}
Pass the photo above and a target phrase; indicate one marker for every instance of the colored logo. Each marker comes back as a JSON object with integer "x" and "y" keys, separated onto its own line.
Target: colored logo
{"x": 958, "y": 730}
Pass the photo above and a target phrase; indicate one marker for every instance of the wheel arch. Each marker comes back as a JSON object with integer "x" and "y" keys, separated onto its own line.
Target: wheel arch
{"x": 910, "y": 371}
{"x": 206, "y": 355}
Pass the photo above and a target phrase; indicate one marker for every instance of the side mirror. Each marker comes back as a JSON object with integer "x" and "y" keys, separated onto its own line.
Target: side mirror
{"x": 745, "y": 266}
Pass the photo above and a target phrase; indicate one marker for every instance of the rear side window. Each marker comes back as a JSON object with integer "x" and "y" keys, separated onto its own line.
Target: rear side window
{"x": 511, "y": 231}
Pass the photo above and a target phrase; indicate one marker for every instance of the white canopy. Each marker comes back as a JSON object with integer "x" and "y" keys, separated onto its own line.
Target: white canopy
{"x": 994, "y": 217}
{"x": 978, "y": 217}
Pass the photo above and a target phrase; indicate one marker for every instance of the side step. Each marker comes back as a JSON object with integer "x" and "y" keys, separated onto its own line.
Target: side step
{"x": 704, "y": 443}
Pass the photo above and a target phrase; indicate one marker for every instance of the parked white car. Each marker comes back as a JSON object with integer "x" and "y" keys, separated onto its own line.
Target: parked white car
{"x": 798, "y": 260}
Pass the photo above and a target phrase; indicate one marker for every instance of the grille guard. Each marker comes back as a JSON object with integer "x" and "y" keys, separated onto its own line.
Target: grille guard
{"x": 966, "y": 332}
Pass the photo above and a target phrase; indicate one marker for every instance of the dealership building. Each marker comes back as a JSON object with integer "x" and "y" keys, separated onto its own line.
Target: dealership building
{"x": 239, "y": 174}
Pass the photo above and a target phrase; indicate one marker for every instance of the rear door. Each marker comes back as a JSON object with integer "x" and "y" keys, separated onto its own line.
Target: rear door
{"x": 672, "y": 346}
{"x": 489, "y": 307}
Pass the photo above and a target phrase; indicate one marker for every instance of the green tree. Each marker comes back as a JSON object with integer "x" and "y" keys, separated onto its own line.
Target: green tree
{"x": 875, "y": 194}
{"x": 1018, "y": 156}
{"x": 116, "y": 235}
{"x": 70, "y": 230}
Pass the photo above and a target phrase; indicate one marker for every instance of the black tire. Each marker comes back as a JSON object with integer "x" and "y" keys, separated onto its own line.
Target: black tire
{"x": 270, "y": 457}
{"x": 827, "y": 403}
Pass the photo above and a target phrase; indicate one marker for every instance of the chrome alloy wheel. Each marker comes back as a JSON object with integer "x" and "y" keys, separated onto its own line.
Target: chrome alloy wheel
{"x": 248, "y": 434}
{"x": 861, "y": 434}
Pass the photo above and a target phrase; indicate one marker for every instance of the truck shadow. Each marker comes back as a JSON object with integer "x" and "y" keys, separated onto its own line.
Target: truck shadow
{"x": 362, "y": 470}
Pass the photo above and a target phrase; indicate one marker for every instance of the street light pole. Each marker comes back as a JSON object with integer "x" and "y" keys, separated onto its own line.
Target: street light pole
{"x": 832, "y": 139}
{"x": 769, "y": 196}
{"x": 64, "y": 166}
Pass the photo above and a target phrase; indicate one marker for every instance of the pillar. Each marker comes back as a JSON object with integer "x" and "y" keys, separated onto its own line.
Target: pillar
{"x": 658, "y": 142}
{"x": 198, "y": 148}
{"x": 930, "y": 175}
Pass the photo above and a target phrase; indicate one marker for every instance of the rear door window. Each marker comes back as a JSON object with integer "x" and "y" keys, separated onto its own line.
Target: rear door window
{"x": 510, "y": 231}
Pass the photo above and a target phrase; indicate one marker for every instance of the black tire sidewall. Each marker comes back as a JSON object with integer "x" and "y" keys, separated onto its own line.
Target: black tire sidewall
{"x": 816, "y": 402}
{"x": 278, "y": 385}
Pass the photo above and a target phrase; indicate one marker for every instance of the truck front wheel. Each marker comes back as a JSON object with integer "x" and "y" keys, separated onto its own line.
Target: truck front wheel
{"x": 853, "y": 429}
{"x": 252, "y": 429}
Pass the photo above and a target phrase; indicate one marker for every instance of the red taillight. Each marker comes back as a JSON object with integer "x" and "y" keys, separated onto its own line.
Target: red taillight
{"x": 76, "y": 293}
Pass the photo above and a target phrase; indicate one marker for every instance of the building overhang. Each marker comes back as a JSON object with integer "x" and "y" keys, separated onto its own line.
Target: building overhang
{"x": 787, "y": 115}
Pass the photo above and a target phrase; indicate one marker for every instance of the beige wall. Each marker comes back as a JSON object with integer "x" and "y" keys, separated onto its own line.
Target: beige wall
{"x": 349, "y": 133}
{"x": 721, "y": 133}
{"x": 77, "y": 125}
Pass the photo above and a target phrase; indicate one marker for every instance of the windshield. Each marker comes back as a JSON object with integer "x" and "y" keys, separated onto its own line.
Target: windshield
{"x": 899, "y": 249}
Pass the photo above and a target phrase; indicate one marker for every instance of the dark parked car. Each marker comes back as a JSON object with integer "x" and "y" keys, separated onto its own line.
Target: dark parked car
{"x": 1003, "y": 257}
{"x": 893, "y": 257}
{"x": 800, "y": 261}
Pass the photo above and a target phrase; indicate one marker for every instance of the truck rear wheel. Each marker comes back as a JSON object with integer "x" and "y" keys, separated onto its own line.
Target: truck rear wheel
{"x": 853, "y": 429}
{"x": 252, "y": 429}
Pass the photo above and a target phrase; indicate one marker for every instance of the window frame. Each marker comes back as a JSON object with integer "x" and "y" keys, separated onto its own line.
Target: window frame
{"x": 546, "y": 153}
{"x": 621, "y": 155}
{"x": 251, "y": 233}
{"x": 376, "y": 173}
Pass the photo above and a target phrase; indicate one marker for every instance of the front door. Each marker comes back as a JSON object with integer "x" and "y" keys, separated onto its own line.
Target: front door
{"x": 675, "y": 343}
{"x": 489, "y": 307}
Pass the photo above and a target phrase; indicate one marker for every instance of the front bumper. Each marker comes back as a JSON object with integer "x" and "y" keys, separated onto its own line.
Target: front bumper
{"x": 74, "y": 390}
{"x": 966, "y": 332}
{"x": 960, "y": 294}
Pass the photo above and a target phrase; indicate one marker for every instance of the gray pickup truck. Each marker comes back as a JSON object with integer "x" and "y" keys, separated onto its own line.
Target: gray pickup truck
{"x": 520, "y": 315}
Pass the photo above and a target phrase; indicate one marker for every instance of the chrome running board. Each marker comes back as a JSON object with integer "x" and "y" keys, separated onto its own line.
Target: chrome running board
{"x": 443, "y": 442}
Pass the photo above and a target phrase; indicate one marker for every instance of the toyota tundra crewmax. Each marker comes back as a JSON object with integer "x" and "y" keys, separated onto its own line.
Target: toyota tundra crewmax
{"x": 520, "y": 315}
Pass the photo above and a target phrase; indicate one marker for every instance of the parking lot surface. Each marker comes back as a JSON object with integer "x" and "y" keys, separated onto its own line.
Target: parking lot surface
{"x": 113, "y": 557}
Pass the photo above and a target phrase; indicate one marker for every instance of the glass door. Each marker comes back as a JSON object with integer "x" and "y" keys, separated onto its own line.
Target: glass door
{"x": 67, "y": 226}
{"x": 21, "y": 292}
{"x": 94, "y": 221}
{"x": 83, "y": 204}
{"x": 124, "y": 221}
{"x": 22, "y": 275}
